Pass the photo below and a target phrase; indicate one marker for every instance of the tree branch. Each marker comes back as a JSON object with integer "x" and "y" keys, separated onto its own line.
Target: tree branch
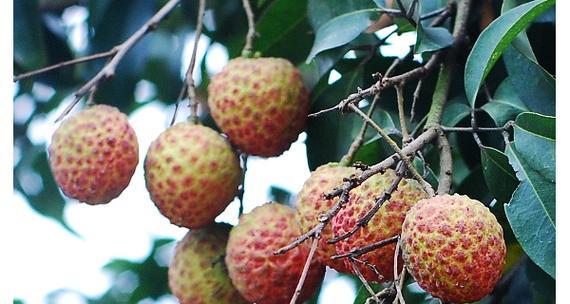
{"x": 365, "y": 249}
{"x": 354, "y": 181}
{"x": 106, "y": 54}
{"x": 445, "y": 164}
{"x": 121, "y": 50}
{"x": 299, "y": 287}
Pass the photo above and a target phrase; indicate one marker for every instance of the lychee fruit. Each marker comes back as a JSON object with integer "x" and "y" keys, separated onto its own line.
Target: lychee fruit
{"x": 311, "y": 203}
{"x": 197, "y": 273}
{"x": 192, "y": 174}
{"x": 93, "y": 154}
{"x": 386, "y": 223}
{"x": 454, "y": 248}
{"x": 260, "y": 103}
{"x": 259, "y": 275}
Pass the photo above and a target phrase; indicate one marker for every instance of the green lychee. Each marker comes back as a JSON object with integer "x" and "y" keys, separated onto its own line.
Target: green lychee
{"x": 93, "y": 154}
{"x": 260, "y": 103}
{"x": 386, "y": 223}
{"x": 454, "y": 247}
{"x": 197, "y": 273}
{"x": 311, "y": 203}
{"x": 259, "y": 275}
{"x": 192, "y": 174}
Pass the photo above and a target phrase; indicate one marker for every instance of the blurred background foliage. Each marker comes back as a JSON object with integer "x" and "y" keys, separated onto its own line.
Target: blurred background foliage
{"x": 286, "y": 29}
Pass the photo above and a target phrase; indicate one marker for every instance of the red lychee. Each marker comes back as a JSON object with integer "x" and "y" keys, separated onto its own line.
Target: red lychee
{"x": 386, "y": 223}
{"x": 311, "y": 203}
{"x": 192, "y": 174}
{"x": 454, "y": 247}
{"x": 260, "y": 103}
{"x": 93, "y": 154}
{"x": 258, "y": 274}
{"x": 197, "y": 273}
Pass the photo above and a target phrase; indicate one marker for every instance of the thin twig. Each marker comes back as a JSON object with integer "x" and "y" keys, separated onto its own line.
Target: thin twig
{"x": 402, "y": 114}
{"x": 359, "y": 139}
{"x": 121, "y": 50}
{"x": 362, "y": 279}
{"x": 248, "y": 47}
{"x": 241, "y": 192}
{"x": 503, "y": 128}
{"x": 382, "y": 84}
{"x": 475, "y": 129}
{"x": 305, "y": 271}
{"x": 398, "y": 279}
{"x": 355, "y": 252}
{"x": 386, "y": 195}
{"x": 354, "y": 181}
{"x": 405, "y": 12}
{"x": 445, "y": 164}
{"x": 106, "y": 54}
{"x": 427, "y": 187}
{"x": 189, "y": 82}
{"x": 415, "y": 99}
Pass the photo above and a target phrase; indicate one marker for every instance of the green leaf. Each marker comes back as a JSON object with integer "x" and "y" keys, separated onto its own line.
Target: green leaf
{"x": 534, "y": 85}
{"x": 542, "y": 125}
{"x": 321, "y": 11}
{"x": 284, "y": 31}
{"x": 431, "y": 39}
{"x": 532, "y": 210}
{"x": 362, "y": 295}
{"x": 521, "y": 40}
{"x": 506, "y": 104}
{"x": 342, "y": 29}
{"x": 494, "y": 40}
{"x": 455, "y": 111}
{"x": 330, "y": 135}
{"x": 499, "y": 175}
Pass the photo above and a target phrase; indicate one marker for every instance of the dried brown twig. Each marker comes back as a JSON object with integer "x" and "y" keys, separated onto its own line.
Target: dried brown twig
{"x": 386, "y": 195}
{"x": 299, "y": 287}
{"x": 354, "y": 181}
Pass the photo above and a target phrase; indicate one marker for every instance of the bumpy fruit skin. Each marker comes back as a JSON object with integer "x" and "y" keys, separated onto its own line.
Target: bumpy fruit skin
{"x": 197, "y": 274}
{"x": 260, "y": 103}
{"x": 94, "y": 154}
{"x": 258, "y": 274}
{"x": 454, "y": 247}
{"x": 386, "y": 223}
{"x": 311, "y": 203}
{"x": 192, "y": 174}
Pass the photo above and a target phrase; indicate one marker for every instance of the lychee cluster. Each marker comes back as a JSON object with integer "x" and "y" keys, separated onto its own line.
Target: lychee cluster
{"x": 93, "y": 154}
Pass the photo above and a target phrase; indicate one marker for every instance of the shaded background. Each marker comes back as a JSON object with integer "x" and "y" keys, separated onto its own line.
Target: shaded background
{"x": 119, "y": 253}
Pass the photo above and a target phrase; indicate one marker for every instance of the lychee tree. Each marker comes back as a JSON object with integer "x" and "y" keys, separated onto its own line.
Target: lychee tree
{"x": 432, "y": 167}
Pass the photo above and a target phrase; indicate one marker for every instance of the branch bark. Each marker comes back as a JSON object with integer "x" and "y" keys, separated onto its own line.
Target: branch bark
{"x": 120, "y": 51}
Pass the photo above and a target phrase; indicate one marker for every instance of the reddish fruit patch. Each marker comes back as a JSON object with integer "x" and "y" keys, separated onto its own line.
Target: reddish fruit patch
{"x": 261, "y": 103}
{"x": 453, "y": 246}
{"x": 94, "y": 175}
{"x": 196, "y": 274}
{"x": 180, "y": 177}
{"x": 311, "y": 202}
{"x": 259, "y": 275}
{"x": 386, "y": 223}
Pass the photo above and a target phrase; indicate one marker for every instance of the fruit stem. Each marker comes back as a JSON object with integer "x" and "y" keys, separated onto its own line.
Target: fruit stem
{"x": 248, "y": 47}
